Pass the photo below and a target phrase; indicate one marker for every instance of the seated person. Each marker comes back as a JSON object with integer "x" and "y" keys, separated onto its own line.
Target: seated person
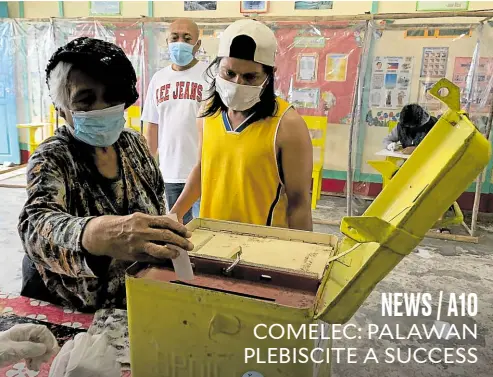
{"x": 414, "y": 124}
{"x": 95, "y": 195}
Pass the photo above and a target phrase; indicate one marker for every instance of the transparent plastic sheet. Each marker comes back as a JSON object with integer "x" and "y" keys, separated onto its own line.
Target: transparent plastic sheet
{"x": 317, "y": 71}
{"x": 34, "y": 44}
{"x": 479, "y": 102}
{"x": 480, "y": 99}
{"x": 31, "y": 44}
{"x": 317, "y": 66}
{"x": 405, "y": 59}
{"x": 8, "y": 89}
{"x": 127, "y": 35}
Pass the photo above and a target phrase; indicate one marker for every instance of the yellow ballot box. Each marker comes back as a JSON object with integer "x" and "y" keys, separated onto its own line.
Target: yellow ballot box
{"x": 262, "y": 295}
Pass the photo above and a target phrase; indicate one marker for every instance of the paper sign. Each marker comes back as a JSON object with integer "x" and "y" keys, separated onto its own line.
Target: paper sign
{"x": 390, "y": 83}
{"x": 434, "y": 63}
{"x": 307, "y": 68}
{"x": 306, "y": 98}
{"x": 336, "y": 67}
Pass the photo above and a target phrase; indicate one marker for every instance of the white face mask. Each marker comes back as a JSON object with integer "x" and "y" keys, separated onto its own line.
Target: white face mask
{"x": 238, "y": 97}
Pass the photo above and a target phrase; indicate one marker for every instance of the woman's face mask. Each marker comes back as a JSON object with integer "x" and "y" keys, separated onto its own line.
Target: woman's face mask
{"x": 239, "y": 97}
{"x": 99, "y": 128}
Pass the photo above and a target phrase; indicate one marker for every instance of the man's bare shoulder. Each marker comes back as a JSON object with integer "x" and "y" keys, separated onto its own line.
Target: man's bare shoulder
{"x": 292, "y": 127}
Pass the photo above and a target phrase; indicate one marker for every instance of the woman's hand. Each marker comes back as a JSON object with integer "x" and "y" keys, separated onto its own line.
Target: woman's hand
{"x": 33, "y": 343}
{"x": 136, "y": 237}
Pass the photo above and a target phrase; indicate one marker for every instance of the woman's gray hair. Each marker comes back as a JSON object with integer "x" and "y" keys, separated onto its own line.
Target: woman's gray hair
{"x": 58, "y": 85}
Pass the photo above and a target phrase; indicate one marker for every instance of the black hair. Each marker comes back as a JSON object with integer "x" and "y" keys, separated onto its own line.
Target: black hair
{"x": 102, "y": 61}
{"x": 267, "y": 107}
{"x": 412, "y": 115}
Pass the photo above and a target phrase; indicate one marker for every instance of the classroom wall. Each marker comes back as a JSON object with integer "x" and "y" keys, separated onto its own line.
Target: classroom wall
{"x": 410, "y": 6}
{"x": 391, "y": 43}
{"x": 40, "y": 9}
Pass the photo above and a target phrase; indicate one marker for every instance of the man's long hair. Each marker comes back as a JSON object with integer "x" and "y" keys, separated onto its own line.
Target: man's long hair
{"x": 267, "y": 107}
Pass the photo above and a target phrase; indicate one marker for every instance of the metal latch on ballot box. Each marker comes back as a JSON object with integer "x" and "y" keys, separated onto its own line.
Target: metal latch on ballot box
{"x": 228, "y": 270}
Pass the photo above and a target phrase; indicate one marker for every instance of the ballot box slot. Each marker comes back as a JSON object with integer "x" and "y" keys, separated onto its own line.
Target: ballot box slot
{"x": 224, "y": 291}
{"x": 293, "y": 297}
{"x": 250, "y": 282}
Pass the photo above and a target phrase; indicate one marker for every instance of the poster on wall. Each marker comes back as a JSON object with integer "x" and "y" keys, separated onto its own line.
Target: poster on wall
{"x": 199, "y": 5}
{"x": 428, "y": 6}
{"x": 426, "y": 100}
{"x": 307, "y": 68}
{"x": 309, "y": 42}
{"x": 434, "y": 62}
{"x": 310, "y": 5}
{"x": 482, "y": 95}
{"x": 254, "y": 6}
{"x": 338, "y": 56}
{"x": 203, "y": 56}
{"x": 104, "y": 8}
{"x": 306, "y": 98}
{"x": 336, "y": 67}
{"x": 390, "y": 81}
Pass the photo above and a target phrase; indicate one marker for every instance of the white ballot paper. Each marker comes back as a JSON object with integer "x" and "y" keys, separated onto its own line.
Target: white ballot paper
{"x": 181, "y": 264}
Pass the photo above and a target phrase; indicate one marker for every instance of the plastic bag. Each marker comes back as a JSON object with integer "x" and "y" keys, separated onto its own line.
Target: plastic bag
{"x": 86, "y": 356}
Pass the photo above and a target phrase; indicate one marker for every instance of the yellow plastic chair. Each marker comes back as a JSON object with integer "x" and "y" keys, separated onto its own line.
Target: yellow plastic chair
{"x": 133, "y": 118}
{"x": 31, "y": 129}
{"x": 388, "y": 167}
{"x": 47, "y": 129}
{"x": 52, "y": 121}
{"x": 318, "y": 126}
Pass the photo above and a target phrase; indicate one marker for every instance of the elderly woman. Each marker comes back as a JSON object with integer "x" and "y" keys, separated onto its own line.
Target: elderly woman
{"x": 95, "y": 194}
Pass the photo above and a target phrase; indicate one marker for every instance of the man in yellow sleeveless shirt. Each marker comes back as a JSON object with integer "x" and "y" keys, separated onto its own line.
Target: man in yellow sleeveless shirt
{"x": 255, "y": 152}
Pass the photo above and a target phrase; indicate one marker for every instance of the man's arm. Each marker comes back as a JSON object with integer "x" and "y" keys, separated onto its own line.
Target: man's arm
{"x": 158, "y": 182}
{"x": 152, "y": 134}
{"x": 192, "y": 189}
{"x": 150, "y": 115}
{"x": 296, "y": 149}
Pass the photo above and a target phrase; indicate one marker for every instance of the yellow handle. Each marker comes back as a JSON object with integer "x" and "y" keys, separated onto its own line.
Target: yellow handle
{"x": 448, "y": 93}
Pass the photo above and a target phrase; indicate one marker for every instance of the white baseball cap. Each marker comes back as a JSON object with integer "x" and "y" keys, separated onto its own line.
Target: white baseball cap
{"x": 264, "y": 47}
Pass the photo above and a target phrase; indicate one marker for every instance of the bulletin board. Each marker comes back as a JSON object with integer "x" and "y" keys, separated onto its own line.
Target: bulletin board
{"x": 482, "y": 95}
{"x": 317, "y": 67}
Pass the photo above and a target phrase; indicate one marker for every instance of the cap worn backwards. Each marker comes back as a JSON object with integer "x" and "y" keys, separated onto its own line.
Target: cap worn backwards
{"x": 249, "y": 40}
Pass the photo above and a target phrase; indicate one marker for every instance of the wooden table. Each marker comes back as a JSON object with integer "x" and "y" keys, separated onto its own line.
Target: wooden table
{"x": 42, "y": 311}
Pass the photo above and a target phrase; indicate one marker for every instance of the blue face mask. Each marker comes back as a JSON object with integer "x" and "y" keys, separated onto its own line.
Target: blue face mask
{"x": 181, "y": 53}
{"x": 99, "y": 128}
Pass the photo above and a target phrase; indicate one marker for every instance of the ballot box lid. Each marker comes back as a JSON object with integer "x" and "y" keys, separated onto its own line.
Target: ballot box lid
{"x": 439, "y": 170}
